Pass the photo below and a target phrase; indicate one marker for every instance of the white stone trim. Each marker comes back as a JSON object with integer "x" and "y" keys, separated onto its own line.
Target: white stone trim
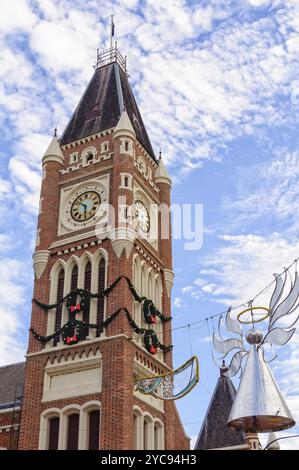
{"x": 74, "y": 157}
{"x": 68, "y": 194}
{"x": 52, "y": 158}
{"x": 123, "y": 176}
{"x": 104, "y": 146}
{"x": 44, "y": 427}
{"x": 168, "y": 277}
{"x": 68, "y": 266}
{"x": 144, "y": 423}
{"x": 9, "y": 410}
{"x": 63, "y": 414}
{"x": 122, "y": 239}
{"x": 40, "y": 260}
{"x": 86, "y": 370}
{"x": 90, "y": 138}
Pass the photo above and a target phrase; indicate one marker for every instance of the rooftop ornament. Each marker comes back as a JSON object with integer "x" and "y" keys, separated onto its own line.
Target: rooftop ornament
{"x": 259, "y": 405}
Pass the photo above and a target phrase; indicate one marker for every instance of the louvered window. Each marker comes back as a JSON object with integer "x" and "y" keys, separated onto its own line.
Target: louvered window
{"x": 53, "y": 433}
{"x": 74, "y": 284}
{"x": 73, "y": 432}
{"x": 60, "y": 287}
{"x": 87, "y": 286}
{"x": 101, "y": 301}
{"x": 94, "y": 430}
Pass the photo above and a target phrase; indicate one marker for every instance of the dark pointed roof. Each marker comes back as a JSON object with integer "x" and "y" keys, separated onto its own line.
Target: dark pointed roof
{"x": 106, "y": 96}
{"x": 11, "y": 384}
{"x": 214, "y": 433}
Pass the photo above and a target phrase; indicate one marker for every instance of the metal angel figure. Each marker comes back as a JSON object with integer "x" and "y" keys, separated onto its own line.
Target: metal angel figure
{"x": 259, "y": 405}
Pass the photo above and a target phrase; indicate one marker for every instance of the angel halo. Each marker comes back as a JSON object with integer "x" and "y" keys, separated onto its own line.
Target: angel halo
{"x": 259, "y": 405}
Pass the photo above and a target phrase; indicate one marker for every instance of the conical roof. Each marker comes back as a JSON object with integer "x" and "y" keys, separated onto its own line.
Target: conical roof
{"x": 214, "y": 433}
{"x": 102, "y": 104}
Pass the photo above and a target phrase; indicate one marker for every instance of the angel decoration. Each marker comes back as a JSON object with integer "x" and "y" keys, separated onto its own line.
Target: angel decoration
{"x": 259, "y": 405}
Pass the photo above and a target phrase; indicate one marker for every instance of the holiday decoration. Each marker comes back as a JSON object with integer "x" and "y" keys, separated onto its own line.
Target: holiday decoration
{"x": 259, "y": 405}
{"x": 172, "y": 385}
{"x": 75, "y": 330}
{"x": 150, "y": 338}
{"x": 150, "y": 312}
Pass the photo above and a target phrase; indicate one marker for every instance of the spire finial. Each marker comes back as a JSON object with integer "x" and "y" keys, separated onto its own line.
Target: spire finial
{"x": 160, "y": 153}
{"x": 223, "y": 369}
{"x": 112, "y": 31}
{"x": 55, "y": 132}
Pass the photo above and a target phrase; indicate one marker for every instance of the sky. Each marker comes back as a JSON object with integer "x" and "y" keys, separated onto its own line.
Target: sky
{"x": 218, "y": 88}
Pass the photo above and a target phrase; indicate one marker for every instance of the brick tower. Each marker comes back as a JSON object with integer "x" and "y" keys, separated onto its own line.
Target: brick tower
{"x": 80, "y": 394}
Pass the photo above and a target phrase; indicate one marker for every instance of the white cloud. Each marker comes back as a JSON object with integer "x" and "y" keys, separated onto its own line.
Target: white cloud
{"x": 243, "y": 264}
{"x": 16, "y": 15}
{"x": 177, "y": 302}
{"x": 11, "y": 311}
{"x": 269, "y": 189}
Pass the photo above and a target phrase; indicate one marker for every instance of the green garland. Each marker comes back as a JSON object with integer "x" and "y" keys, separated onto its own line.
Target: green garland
{"x": 150, "y": 312}
{"x": 75, "y": 330}
{"x": 69, "y": 298}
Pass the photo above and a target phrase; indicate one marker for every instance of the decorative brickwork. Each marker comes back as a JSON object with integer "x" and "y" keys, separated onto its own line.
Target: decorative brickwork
{"x": 117, "y": 344}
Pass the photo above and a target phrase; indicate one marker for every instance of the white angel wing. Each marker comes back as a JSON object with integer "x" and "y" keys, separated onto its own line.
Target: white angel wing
{"x": 235, "y": 364}
{"x": 285, "y": 307}
{"x": 280, "y": 281}
{"x": 231, "y": 324}
{"x": 274, "y": 355}
{"x": 225, "y": 346}
{"x": 278, "y": 336}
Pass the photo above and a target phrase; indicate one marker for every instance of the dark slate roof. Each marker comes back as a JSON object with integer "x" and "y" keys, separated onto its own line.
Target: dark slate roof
{"x": 101, "y": 105}
{"x": 11, "y": 384}
{"x": 214, "y": 433}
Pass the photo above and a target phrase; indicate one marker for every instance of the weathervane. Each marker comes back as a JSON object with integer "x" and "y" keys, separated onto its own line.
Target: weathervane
{"x": 259, "y": 406}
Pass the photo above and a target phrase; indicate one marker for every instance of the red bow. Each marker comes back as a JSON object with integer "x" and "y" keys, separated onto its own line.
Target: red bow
{"x": 153, "y": 350}
{"x": 153, "y": 319}
{"x": 75, "y": 307}
{"x": 72, "y": 339}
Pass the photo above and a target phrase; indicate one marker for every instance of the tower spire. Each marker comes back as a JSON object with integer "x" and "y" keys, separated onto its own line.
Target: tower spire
{"x": 112, "y": 28}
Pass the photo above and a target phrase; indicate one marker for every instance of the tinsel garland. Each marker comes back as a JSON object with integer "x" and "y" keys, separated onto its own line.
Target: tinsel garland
{"x": 75, "y": 330}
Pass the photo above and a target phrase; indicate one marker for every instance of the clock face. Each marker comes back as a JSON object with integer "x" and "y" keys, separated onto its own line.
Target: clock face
{"x": 142, "y": 217}
{"x": 85, "y": 206}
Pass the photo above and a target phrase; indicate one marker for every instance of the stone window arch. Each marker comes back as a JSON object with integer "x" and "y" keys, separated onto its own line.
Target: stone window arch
{"x": 88, "y": 155}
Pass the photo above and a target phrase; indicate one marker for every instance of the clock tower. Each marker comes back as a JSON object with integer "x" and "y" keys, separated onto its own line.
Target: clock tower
{"x": 103, "y": 201}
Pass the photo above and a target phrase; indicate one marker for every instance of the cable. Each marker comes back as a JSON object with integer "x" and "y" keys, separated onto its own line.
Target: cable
{"x": 244, "y": 304}
{"x": 280, "y": 438}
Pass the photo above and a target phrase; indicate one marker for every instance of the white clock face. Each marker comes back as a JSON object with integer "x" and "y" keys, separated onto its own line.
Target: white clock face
{"x": 85, "y": 205}
{"x": 142, "y": 217}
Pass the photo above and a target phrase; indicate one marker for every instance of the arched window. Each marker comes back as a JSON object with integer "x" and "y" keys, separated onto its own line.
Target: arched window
{"x": 147, "y": 425}
{"x": 158, "y": 436}
{"x": 74, "y": 284}
{"x": 135, "y": 431}
{"x": 138, "y": 429}
{"x": 94, "y": 430}
{"x": 53, "y": 433}
{"x": 101, "y": 301}
{"x": 87, "y": 286}
{"x": 60, "y": 286}
{"x": 73, "y": 432}
{"x": 74, "y": 280}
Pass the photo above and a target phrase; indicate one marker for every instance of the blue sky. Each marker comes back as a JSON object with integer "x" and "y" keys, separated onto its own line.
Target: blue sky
{"x": 218, "y": 87}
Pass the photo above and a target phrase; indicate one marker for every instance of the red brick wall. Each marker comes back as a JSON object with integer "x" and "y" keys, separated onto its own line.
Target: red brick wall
{"x": 118, "y": 353}
{"x": 9, "y": 437}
